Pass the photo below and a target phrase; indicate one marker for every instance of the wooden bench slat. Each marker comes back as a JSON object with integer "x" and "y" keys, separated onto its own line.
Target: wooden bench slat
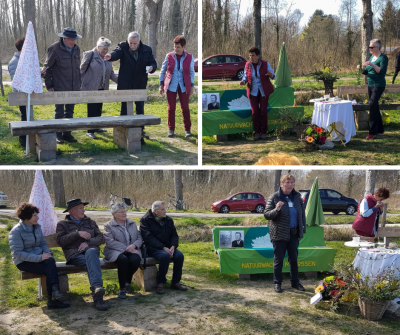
{"x": 76, "y": 97}
{"x": 19, "y": 128}
{"x": 342, "y": 90}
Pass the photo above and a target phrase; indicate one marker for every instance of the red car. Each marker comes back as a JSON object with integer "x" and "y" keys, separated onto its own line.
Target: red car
{"x": 196, "y": 64}
{"x": 243, "y": 201}
{"x": 223, "y": 66}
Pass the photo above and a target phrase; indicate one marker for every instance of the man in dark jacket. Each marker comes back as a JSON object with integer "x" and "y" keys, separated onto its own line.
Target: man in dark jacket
{"x": 286, "y": 214}
{"x": 134, "y": 57}
{"x": 63, "y": 73}
{"x": 80, "y": 238}
{"x": 159, "y": 234}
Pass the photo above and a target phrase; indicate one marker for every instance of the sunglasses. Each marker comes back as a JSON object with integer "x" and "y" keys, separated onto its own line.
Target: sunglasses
{"x": 371, "y": 47}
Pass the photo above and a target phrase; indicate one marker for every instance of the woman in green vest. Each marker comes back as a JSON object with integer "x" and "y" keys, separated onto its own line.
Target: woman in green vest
{"x": 375, "y": 70}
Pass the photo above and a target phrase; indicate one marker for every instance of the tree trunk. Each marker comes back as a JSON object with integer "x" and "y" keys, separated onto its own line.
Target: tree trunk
{"x": 29, "y": 14}
{"x": 155, "y": 9}
{"x": 277, "y": 181}
{"x": 1, "y": 80}
{"x": 257, "y": 23}
{"x": 178, "y": 189}
{"x": 370, "y": 177}
{"x": 58, "y": 189}
{"x": 367, "y": 29}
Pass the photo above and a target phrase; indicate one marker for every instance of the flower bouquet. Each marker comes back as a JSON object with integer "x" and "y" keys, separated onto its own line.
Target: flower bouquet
{"x": 314, "y": 136}
{"x": 332, "y": 288}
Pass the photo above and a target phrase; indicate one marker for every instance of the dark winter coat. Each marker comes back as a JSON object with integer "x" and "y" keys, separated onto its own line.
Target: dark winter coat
{"x": 69, "y": 239}
{"x": 132, "y": 74}
{"x": 155, "y": 236}
{"x": 63, "y": 68}
{"x": 279, "y": 228}
{"x": 27, "y": 243}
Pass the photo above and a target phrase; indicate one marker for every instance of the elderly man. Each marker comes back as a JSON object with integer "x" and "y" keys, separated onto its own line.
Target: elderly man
{"x": 62, "y": 67}
{"x": 80, "y": 238}
{"x": 159, "y": 234}
{"x": 214, "y": 104}
{"x": 134, "y": 57}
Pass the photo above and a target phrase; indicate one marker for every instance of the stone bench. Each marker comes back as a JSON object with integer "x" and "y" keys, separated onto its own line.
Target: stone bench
{"x": 145, "y": 276}
{"x": 126, "y": 129}
{"x": 360, "y": 111}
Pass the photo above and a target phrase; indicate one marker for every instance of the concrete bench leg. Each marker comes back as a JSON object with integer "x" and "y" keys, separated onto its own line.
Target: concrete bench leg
{"x": 244, "y": 276}
{"x": 146, "y": 278}
{"x": 128, "y": 138}
{"x": 63, "y": 283}
{"x": 362, "y": 120}
{"x": 46, "y": 146}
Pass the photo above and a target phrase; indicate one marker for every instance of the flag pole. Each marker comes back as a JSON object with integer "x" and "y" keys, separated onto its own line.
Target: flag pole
{"x": 28, "y": 117}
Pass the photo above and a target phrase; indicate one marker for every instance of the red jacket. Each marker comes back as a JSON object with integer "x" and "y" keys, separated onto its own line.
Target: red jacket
{"x": 186, "y": 70}
{"x": 365, "y": 226}
{"x": 265, "y": 82}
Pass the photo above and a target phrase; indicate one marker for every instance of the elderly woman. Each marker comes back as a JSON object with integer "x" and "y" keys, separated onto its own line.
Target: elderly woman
{"x": 30, "y": 252}
{"x": 369, "y": 210}
{"x": 96, "y": 74}
{"x": 177, "y": 77}
{"x": 375, "y": 70}
{"x": 286, "y": 212}
{"x": 123, "y": 242}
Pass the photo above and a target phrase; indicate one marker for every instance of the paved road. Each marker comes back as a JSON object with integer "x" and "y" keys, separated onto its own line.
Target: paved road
{"x": 107, "y": 214}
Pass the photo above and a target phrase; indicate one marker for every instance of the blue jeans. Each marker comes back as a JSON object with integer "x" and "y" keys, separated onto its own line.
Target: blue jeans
{"x": 163, "y": 257}
{"x": 280, "y": 247}
{"x": 90, "y": 260}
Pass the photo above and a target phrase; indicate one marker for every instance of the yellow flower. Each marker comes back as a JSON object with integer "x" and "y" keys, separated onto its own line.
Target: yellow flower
{"x": 327, "y": 69}
{"x": 319, "y": 289}
{"x": 358, "y": 276}
{"x": 310, "y": 139}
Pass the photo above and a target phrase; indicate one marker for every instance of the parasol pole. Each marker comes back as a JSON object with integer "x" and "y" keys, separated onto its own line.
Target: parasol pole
{"x": 28, "y": 117}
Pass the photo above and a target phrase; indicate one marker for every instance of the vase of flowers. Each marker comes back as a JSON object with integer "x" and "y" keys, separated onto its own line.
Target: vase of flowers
{"x": 314, "y": 136}
{"x": 328, "y": 77}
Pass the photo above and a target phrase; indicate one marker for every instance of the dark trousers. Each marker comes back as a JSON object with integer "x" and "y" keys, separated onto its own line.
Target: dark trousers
{"x": 94, "y": 110}
{"x": 64, "y": 112}
{"x": 259, "y": 106}
{"x": 127, "y": 264}
{"x": 22, "y": 109}
{"x": 46, "y": 267}
{"x": 375, "y": 117}
{"x": 139, "y": 108}
{"x": 280, "y": 247}
{"x": 396, "y": 71}
{"x": 184, "y": 101}
{"x": 163, "y": 257}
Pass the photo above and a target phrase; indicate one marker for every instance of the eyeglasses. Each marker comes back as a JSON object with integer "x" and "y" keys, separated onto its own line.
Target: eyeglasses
{"x": 120, "y": 212}
{"x": 371, "y": 47}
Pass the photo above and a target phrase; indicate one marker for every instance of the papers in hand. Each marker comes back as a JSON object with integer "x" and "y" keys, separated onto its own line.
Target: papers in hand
{"x": 316, "y": 298}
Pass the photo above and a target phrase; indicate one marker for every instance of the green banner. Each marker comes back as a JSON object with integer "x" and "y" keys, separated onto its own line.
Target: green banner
{"x": 257, "y": 254}
{"x": 240, "y": 121}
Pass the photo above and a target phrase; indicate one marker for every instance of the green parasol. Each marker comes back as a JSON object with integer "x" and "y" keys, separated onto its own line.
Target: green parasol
{"x": 314, "y": 213}
{"x": 283, "y": 76}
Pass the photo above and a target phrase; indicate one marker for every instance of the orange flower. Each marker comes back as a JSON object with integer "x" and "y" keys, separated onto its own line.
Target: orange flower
{"x": 319, "y": 130}
{"x": 310, "y": 139}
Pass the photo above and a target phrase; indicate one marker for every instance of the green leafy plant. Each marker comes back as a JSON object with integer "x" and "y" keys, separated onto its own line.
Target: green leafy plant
{"x": 325, "y": 73}
{"x": 111, "y": 289}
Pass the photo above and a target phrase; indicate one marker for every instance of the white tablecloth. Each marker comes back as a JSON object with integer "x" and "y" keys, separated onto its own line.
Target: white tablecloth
{"x": 374, "y": 263}
{"x": 325, "y": 114}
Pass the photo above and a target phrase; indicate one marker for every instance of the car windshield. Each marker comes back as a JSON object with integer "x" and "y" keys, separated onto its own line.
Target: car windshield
{"x": 230, "y": 196}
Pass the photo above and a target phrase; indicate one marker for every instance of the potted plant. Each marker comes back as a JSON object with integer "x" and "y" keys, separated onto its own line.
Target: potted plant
{"x": 374, "y": 293}
{"x": 289, "y": 121}
{"x": 327, "y": 76}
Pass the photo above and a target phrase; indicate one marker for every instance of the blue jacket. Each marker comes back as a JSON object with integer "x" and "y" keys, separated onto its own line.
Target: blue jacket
{"x": 27, "y": 243}
{"x": 12, "y": 66}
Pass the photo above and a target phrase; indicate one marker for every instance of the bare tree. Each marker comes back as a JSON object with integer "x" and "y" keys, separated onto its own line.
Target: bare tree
{"x": 277, "y": 181}
{"x": 155, "y": 9}
{"x": 367, "y": 28}
{"x": 58, "y": 188}
{"x": 29, "y": 13}
{"x": 370, "y": 178}
{"x": 178, "y": 189}
{"x": 257, "y": 23}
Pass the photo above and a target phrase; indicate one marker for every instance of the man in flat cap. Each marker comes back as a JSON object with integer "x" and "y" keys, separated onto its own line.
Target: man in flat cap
{"x": 80, "y": 238}
{"x": 63, "y": 73}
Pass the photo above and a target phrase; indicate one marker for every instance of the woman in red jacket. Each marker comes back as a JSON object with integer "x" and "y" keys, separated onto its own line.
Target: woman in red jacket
{"x": 369, "y": 210}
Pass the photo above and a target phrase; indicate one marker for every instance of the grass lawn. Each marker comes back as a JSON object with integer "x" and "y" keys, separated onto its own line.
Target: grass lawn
{"x": 159, "y": 150}
{"x": 240, "y": 149}
{"x": 218, "y": 304}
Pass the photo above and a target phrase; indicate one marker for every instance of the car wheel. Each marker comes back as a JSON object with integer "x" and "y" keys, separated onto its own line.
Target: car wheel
{"x": 350, "y": 210}
{"x": 336, "y": 213}
{"x": 239, "y": 74}
{"x": 224, "y": 209}
{"x": 259, "y": 209}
